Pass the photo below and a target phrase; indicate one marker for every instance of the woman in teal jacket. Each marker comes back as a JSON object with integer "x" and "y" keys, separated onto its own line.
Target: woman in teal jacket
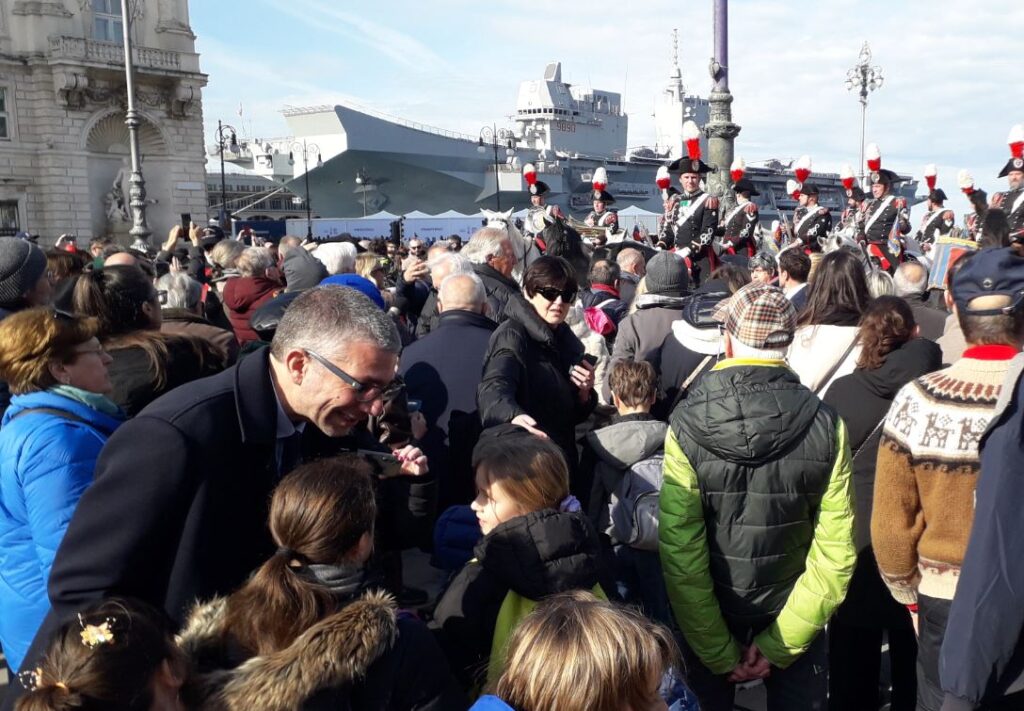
{"x": 52, "y": 433}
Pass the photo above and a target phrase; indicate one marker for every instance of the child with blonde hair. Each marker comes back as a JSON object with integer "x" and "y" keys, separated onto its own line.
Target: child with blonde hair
{"x": 609, "y": 658}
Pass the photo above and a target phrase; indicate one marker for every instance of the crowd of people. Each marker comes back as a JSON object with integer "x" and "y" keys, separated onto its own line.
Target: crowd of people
{"x": 646, "y": 486}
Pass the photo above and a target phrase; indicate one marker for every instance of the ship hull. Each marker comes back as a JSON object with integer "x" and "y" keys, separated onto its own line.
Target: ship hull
{"x": 407, "y": 168}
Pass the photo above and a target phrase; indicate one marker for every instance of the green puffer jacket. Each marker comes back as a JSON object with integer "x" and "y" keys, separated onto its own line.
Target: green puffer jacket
{"x": 756, "y": 523}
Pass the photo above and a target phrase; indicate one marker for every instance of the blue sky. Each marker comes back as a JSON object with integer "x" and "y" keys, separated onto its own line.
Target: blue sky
{"x": 953, "y": 78}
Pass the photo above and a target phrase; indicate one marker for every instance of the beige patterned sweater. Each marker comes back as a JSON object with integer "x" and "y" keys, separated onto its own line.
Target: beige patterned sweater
{"x": 927, "y": 467}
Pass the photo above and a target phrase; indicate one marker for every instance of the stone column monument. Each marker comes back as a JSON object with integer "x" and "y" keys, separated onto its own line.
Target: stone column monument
{"x": 720, "y": 129}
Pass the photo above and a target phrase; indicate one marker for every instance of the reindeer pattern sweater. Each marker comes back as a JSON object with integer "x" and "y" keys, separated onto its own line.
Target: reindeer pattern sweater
{"x": 927, "y": 468}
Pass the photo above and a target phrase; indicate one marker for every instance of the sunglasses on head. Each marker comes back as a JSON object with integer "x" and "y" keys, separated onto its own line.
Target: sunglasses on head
{"x": 551, "y": 293}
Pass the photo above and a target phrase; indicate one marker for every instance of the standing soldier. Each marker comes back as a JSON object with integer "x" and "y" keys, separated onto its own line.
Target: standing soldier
{"x": 600, "y": 216}
{"x": 811, "y": 221}
{"x": 739, "y": 227}
{"x": 695, "y": 216}
{"x": 884, "y": 214}
{"x": 538, "y": 216}
{"x": 1012, "y": 201}
{"x": 937, "y": 221}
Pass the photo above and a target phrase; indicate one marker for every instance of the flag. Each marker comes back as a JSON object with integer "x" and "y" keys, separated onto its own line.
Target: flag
{"x": 945, "y": 252}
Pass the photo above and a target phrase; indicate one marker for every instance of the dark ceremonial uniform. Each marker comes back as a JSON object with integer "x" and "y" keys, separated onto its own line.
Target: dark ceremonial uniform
{"x": 608, "y": 218}
{"x": 879, "y": 217}
{"x": 931, "y": 222}
{"x": 1013, "y": 206}
{"x": 695, "y": 219}
{"x": 739, "y": 228}
{"x": 810, "y": 223}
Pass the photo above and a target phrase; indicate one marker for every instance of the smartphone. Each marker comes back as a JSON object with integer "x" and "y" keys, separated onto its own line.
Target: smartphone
{"x": 592, "y": 359}
{"x": 385, "y": 465}
{"x": 415, "y": 406}
{"x": 186, "y": 221}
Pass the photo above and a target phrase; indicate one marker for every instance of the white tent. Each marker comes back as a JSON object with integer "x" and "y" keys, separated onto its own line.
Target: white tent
{"x": 378, "y": 225}
{"x": 632, "y": 216}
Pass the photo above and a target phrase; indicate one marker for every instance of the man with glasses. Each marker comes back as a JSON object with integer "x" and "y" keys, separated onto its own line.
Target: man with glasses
{"x": 179, "y": 505}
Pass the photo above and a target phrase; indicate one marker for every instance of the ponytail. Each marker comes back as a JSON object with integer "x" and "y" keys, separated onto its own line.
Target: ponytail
{"x": 318, "y": 515}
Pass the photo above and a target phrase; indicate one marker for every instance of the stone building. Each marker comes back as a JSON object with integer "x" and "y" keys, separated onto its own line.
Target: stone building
{"x": 64, "y": 159}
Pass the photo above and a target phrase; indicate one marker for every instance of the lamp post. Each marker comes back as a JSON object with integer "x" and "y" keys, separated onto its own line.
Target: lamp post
{"x": 361, "y": 181}
{"x": 226, "y": 136}
{"x": 863, "y": 78}
{"x": 136, "y": 184}
{"x": 306, "y": 149}
{"x": 489, "y": 136}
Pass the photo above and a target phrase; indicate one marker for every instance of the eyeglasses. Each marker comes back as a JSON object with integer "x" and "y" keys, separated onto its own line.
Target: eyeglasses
{"x": 365, "y": 392}
{"x": 551, "y": 293}
{"x": 59, "y": 314}
{"x": 417, "y": 250}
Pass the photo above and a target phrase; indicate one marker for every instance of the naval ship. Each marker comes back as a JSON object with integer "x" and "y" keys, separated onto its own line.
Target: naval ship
{"x": 367, "y": 162}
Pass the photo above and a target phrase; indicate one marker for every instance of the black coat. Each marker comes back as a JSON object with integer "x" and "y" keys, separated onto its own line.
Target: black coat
{"x": 500, "y": 290}
{"x": 931, "y": 320}
{"x": 443, "y": 370}
{"x": 862, "y": 399}
{"x": 526, "y": 372}
{"x": 536, "y": 555}
{"x": 178, "y": 508}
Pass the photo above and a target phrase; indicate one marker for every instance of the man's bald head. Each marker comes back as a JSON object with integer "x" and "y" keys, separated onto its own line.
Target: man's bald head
{"x": 462, "y": 292}
{"x": 911, "y": 279}
{"x": 121, "y": 259}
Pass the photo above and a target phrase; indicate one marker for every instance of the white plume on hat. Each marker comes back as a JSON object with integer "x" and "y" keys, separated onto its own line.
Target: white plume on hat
{"x": 600, "y": 179}
{"x": 966, "y": 181}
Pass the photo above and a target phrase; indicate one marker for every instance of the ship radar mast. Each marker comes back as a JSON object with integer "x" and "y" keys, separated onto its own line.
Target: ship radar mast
{"x": 673, "y": 107}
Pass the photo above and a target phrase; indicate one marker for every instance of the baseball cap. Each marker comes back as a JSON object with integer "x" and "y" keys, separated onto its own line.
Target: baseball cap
{"x": 990, "y": 272}
{"x": 759, "y": 316}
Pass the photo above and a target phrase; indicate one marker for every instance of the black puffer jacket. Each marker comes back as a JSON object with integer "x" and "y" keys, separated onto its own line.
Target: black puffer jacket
{"x": 526, "y": 372}
{"x": 764, "y": 448}
{"x": 536, "y": 555}
{"x": 500, "y": 291}
{"x": 862, "y": 399}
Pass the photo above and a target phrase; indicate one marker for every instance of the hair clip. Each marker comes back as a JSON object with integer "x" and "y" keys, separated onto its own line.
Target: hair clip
{"x": 30, "y": 678}
{"x": 97, "y": 635}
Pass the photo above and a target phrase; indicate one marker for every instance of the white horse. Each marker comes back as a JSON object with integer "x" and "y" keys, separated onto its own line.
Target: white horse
{"x": 526, "y": 251}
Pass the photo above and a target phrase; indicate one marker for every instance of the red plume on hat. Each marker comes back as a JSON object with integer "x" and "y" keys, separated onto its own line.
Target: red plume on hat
{"x": 600, "y": 180}
{"x": 1016, "y": 141}
{"x": 691, "y": 137}
{"x": 930, "y": 176}
{"x": 737, "y": 170}
{"x": 530, "y": 173}
{"x": 874, "y": 157}
{"x": 966, "y": 182}
{"x": 847, "y": 177}
{"x": 793, "y": 188}
{"x": 802, "y": 170}
{"x": 662, "y": 179}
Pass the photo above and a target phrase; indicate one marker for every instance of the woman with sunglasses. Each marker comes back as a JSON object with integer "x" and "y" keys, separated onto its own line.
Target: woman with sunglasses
{"x": 146, "y": 363}
{"x": 534, "y": 372}
{"x": 59, "y": 419}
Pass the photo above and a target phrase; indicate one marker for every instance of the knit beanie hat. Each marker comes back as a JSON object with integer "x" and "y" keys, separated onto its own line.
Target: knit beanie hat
{"x": 21, "y": 265}
{"x": 302, "y": 270}
{"x": 354, "y": 281}
{"x": 666, "y": 275}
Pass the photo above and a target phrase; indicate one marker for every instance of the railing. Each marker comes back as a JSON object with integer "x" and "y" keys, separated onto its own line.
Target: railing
{"x": 85, "y": 50}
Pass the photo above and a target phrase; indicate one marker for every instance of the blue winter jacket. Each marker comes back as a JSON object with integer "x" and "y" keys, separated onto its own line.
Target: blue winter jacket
{"x": 490, "y": 703}
{"x": 46, "y": 462}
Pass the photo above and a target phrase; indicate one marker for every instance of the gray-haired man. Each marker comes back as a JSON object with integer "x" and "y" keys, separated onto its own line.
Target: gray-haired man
{"x": 178, "y": 508}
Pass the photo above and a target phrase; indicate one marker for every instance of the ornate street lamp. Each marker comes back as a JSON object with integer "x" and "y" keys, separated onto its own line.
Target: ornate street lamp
{"x": 136, "y": 184}
{"x": 306, "y": 149}
{"x": 863, "y": 78}
{"x": 489, "y": 135}
{"x": 361, "y": 180}
{"x": 227, "y": 138}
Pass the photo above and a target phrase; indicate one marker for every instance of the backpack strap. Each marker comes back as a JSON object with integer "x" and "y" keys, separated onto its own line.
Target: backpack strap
{"x": 53, "y": 411}
{"x": 684, "y": 387}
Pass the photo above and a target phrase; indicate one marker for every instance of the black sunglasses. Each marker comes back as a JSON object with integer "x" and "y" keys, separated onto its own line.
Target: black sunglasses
{"x": 551, "y": 293}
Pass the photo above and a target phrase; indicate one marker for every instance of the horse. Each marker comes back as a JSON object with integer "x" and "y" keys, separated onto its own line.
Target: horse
{"x": 525, "y": 250}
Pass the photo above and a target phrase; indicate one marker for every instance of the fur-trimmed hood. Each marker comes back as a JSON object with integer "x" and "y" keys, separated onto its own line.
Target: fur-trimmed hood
{"x": 335, "y": 652}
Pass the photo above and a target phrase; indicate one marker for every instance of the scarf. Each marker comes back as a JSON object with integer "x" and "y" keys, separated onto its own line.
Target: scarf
{"x": 100, "y": 403}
